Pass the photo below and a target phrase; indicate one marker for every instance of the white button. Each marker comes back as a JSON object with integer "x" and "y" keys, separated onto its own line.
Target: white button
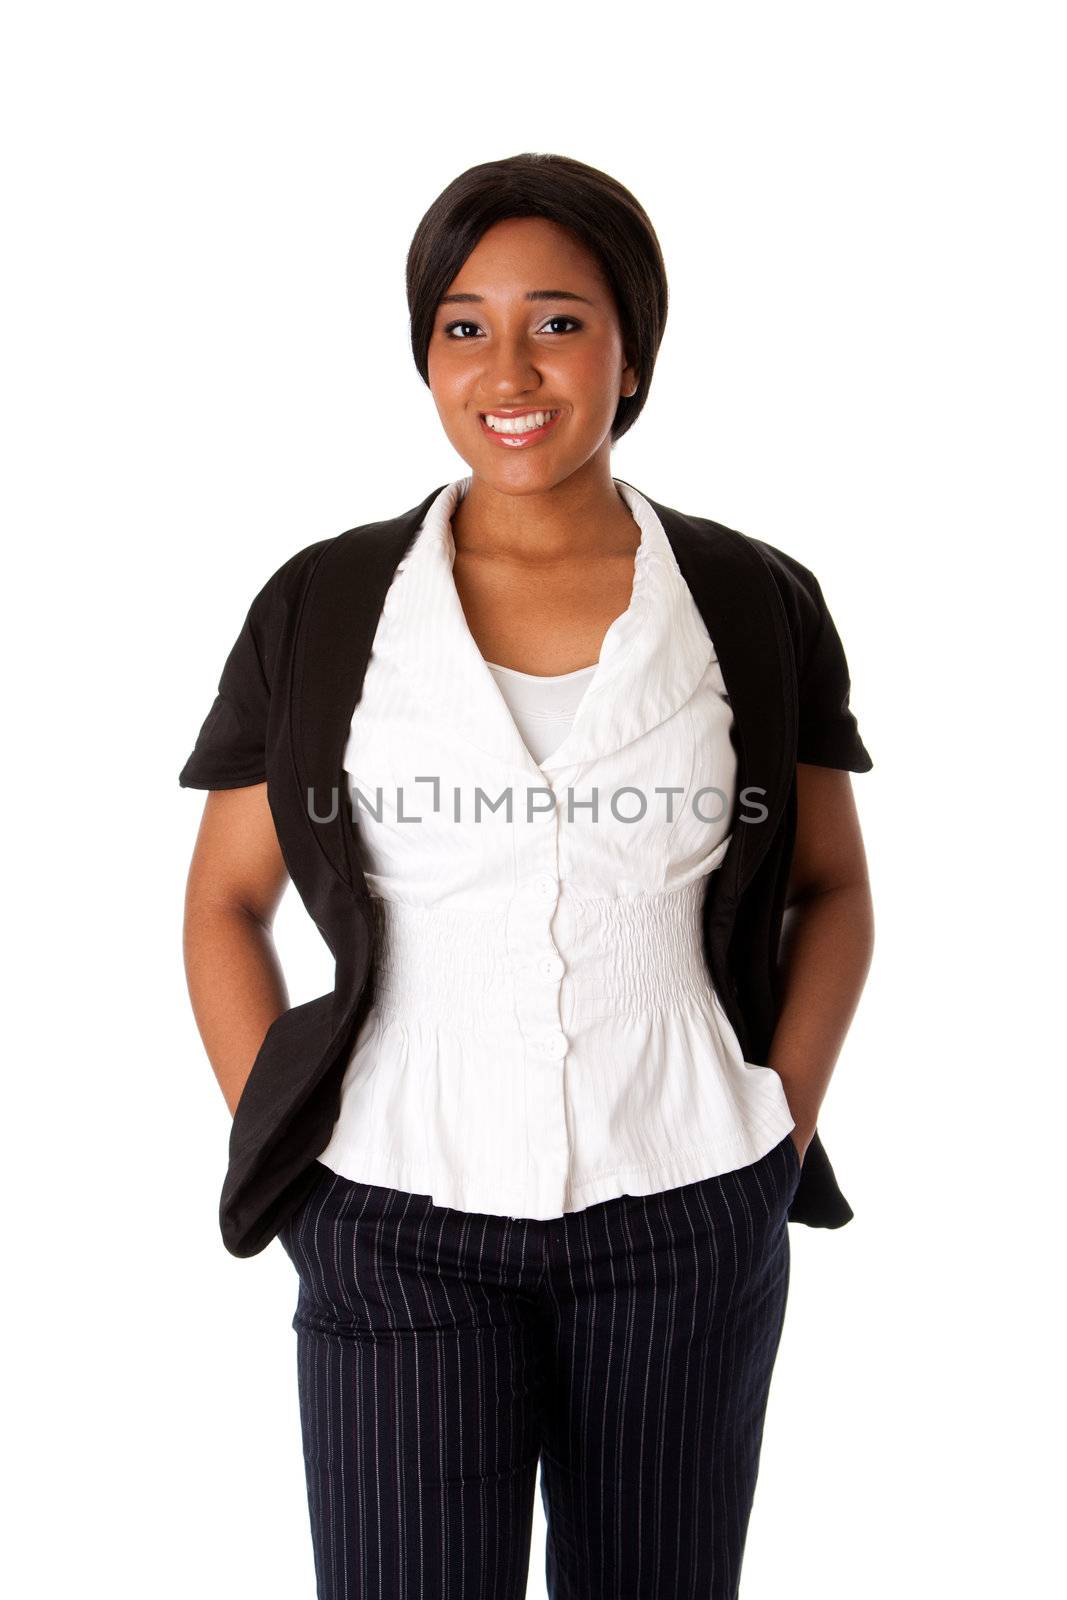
{"x": 545, "y": 888}
{"x": 551, "y": 967}
{"x": 553, "y": 1045}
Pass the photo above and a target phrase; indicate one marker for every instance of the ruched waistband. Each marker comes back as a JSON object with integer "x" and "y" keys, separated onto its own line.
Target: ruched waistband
{"x": 478, "y": 965}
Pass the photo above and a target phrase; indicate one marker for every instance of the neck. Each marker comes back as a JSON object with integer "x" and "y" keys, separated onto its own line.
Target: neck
{"x": 581, "y": 517}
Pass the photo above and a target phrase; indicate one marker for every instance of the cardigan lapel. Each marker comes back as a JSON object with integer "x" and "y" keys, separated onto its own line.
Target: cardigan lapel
{"x": 743, "y": 612}
{"x": 335, "y": 633}
{"x": 734, "y": 592}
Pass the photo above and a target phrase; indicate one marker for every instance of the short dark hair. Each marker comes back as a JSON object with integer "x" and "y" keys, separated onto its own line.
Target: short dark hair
{"x": 596, "y": 208}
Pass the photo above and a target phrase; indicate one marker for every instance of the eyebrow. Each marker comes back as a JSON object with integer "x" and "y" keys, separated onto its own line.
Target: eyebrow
{"x": 532, "y": 294}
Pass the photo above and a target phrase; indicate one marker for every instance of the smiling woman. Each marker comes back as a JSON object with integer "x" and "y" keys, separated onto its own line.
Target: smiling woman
{"x": 568, "y": 1079}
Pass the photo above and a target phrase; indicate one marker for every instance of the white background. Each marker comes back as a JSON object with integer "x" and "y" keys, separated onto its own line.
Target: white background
{"x": 206, "y": 367}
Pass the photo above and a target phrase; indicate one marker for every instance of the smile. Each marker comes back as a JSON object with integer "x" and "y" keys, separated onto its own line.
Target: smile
{"x": 517, "y": 432}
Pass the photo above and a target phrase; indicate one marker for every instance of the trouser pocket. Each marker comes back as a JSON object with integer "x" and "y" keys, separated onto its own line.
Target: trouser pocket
{"x": 795, "y": 1164}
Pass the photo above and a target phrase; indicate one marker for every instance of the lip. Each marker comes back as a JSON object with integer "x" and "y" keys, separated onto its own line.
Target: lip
{"x": 518, "y": 441}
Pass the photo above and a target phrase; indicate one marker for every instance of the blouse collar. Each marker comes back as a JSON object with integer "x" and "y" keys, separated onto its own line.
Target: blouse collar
{"x": 651, "y": 662}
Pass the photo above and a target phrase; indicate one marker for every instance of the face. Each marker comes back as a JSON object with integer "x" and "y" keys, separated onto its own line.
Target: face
{"x": 529, "y": 325}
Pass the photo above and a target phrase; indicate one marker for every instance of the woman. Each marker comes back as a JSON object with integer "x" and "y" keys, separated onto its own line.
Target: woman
{"x": 547, "y": 761}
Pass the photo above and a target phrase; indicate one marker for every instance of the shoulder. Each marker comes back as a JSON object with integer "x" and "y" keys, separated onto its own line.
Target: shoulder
{"x": 287, "y": 583}
{"x": 277, "y": 603}
{"x": 705, "y": 545}
{"x": 718, "y": 560}
{"x": 822, "y": 668}
{"x": 799, "y": 589}
{"x": 797, "y": 586}
{"x": 828, "y": 733}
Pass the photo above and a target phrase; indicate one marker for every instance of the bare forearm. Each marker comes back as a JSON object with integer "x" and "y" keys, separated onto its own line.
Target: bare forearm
{"x": 236, "y": 987}
{"x": 825, "y": 955}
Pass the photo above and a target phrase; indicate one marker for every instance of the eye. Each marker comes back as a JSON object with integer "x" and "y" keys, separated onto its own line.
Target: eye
{"x": 451, "y": 328}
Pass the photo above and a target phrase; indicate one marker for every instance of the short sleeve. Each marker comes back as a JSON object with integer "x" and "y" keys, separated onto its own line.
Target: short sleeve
{"x": 231, "y": 747}
{"x": 828, "y": 734}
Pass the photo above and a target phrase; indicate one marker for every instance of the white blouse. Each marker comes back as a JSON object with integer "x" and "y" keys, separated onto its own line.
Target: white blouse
{"x": 544, "y": 1033}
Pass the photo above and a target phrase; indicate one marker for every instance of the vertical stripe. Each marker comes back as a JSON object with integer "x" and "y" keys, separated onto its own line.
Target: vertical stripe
{"x": 627, "y": 1349}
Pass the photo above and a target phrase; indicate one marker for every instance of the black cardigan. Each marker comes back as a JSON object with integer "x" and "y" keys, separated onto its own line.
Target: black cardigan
{"x": 288, "y": 690}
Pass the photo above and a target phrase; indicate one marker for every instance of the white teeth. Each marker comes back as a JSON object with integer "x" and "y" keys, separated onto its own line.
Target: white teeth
{"x": 532, "y": 419}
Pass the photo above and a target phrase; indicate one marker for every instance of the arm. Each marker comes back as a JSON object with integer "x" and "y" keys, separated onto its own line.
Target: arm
{"x": 235, "y": 883}
{"x": 827, "y": 942}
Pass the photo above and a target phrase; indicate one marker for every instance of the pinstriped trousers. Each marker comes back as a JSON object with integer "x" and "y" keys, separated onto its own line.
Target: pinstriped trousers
{"x": 627, "y": 1349}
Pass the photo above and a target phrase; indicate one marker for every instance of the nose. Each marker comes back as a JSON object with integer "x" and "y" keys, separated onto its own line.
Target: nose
{"x": 510, "y": 372}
